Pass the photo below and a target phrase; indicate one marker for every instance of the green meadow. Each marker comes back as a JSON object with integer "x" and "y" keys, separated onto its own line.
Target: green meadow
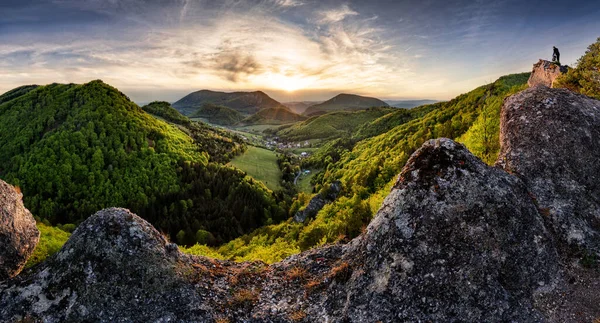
{"x": 261, "y": 164}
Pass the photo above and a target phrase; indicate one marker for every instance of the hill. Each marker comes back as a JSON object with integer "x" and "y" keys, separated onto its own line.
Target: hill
{"x": 300, "y": 107}
{"x": 345, "y": 102}
{"x": 246, "y": 103}
{"x": 272, "y": 116}
{"x": 218, "y": 114}
{"x": 75, "y": 149}
{"x": 330, "y": 125}
{"x": 165, "y": 110}
{"x": 408, "y": 104}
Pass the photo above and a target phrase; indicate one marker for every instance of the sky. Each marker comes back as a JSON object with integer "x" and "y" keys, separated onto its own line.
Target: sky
{"x": 294, "y": 50}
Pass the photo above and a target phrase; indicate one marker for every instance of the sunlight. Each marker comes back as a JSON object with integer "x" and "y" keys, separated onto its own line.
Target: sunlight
{"x": 286, "y": 82}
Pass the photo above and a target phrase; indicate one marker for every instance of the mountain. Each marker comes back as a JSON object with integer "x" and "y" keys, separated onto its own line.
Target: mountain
{"x": 277, "y": 115}
{"x": 345, "y": 102}
{"x": 301, "y": 106}
{"x": 330, "y": 125}
{"x": 246, "y": 103}
{"x": 407, "y": 104}
{"x": 218, "y": 114}
{"x": 75, "y": 149}
{"x": 165, "y": 110}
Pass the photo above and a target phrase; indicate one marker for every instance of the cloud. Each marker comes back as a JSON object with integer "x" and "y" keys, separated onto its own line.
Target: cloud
{"x": 335, "y": 15}
{"x": 235, "y": 65}
{"x": 288, "y": 3}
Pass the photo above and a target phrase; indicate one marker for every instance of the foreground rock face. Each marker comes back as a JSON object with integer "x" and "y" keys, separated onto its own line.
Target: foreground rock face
{"x": 551, "y": 139}
{"x": 545, "y": 73}
{"x": 18, "y": 233}
{"x": 455, "y": 240}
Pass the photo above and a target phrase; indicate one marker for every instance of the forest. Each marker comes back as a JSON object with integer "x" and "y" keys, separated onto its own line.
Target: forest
{"x": 76, "y": 149}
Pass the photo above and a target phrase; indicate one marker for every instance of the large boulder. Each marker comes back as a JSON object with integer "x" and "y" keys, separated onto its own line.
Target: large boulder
{"x": 18, "y": 233}
{"x": 551, "y": 139}
{"x": 545, "y": 73}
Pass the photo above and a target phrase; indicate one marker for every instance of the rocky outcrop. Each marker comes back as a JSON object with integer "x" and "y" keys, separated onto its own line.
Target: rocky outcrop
{"x": 18, "y": 233}
{"x": 318, "y": 202}
{"x": 545, "y": 72}
{"x": 551, "y": 139}
{"x": 455, "y": 240}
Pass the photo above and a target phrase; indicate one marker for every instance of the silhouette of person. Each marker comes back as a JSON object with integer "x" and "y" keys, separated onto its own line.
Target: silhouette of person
{"x": 556, "y": 55}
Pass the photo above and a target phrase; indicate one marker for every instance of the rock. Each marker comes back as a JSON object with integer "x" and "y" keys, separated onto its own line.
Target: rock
{"x": 551, "y": 139}
{"x": 318, "y": 202}
{"x": 545, "y": 72}
{"x": 18, "y": 233}
{"x": 115, "y": 267}
{"x": 455, "y": 240}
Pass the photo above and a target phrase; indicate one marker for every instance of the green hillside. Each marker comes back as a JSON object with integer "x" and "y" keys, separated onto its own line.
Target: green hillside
{"x": 331, "y": 125}
{"x": 368, "y": 169}
{"x": 165, "y": 110}
{"x": 76, "y": 149}
{"x": 218, "y": 114}
{"x": 344, "y": 102}
{"x": 272, "y": 116}
{"x": 585, "y": 77}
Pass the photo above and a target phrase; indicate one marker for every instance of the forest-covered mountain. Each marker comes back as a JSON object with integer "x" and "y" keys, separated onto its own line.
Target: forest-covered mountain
{"x": 218, "y": 114}
{"x": 330, "y": 125}
{"x": 276, "y": 116}
{"x": 75, "y": 149}
{"x": 165, "y": 110}
{"x": 344, "y": 102}
{"x": 247, "y": 103}
{"x": 300, "y": 106}
{"x": 408, "y": 104}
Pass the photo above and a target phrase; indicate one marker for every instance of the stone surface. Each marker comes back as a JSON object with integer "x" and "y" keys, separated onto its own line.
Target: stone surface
{"x": 551, "y": 139}
{"x": 18, "y": 233}
{"x": 318, "y": 202}
{"x": 455, "y": 240}
{"x": 545, "y": 72}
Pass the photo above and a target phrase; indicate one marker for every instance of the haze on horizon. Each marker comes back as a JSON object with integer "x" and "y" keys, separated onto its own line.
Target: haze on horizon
{"x": 293, "y": 50}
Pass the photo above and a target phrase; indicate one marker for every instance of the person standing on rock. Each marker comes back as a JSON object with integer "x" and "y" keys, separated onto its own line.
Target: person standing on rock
{"x": 556, "y": 55}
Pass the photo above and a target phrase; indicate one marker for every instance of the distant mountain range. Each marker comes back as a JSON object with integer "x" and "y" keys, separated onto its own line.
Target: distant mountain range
{"x": 344, "y": 102}
{"x": 408, "y": 104}
{"x": 232, "y": 108}
{"x": 247, "y": 103}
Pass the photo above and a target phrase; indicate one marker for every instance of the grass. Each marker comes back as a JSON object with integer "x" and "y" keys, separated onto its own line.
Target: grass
{"x": 261, "y": 164}
{"x": 51, "y": 240}
{"x": 304, "y": 182}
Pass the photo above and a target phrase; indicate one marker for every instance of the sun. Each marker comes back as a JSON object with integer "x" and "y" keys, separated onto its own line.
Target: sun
{"x": 288, "y": 83}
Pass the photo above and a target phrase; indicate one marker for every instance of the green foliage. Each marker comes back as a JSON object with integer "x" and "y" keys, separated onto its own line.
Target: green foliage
{"x": 51, "y": 240}
{"x": 75, "y": 149}
{"x": 269, "y": 116}
{"x": 585, "y": 78}
{"x": 202, "y": 250}
{"x": 332, "y": 125}
{"x": 482, "y": 139}
{"x": 391, "y": 120}
{"x": 165, "y": 110}
{"x": 218, "y": 114}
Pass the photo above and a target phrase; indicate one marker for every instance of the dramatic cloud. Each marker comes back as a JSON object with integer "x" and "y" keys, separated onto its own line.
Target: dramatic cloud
{"x": 335, "y": 15}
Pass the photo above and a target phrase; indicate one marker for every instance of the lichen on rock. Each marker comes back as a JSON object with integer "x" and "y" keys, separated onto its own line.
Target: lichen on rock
{"x": 551, "y": 139}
